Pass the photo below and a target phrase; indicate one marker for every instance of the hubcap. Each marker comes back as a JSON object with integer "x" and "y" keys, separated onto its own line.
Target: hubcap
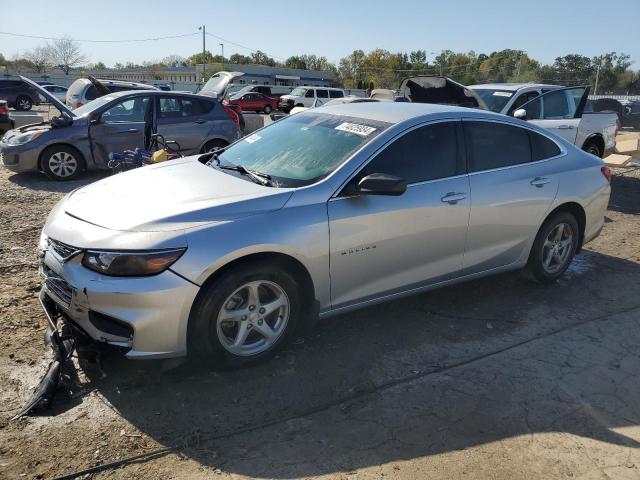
{"x": 557, "y": 248}
{"x": 23, "y": 103}
{"x": 63, "y": 164}
{"x": 253, "y": 317}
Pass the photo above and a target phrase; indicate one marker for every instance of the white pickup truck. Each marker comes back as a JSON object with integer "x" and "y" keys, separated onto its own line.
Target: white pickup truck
{"x": 558, "y": 109}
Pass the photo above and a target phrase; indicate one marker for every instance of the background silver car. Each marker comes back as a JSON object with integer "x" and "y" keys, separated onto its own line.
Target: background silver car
{"x": 225, "y": 255}
{"x": 83, "y": 138}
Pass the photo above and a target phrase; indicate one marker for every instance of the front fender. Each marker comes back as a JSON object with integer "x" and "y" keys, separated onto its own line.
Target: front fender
{"x": 300, "y": 232}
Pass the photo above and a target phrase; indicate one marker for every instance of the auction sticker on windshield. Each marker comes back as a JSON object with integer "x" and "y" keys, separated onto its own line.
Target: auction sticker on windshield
{"x": 252, "y": 138}
{"x": 361, "y": 130}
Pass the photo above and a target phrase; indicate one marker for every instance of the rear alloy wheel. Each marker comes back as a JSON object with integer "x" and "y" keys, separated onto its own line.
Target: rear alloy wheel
{"x": 23, "y": 103}
{"x": 245, "y": 315}
{"x": 554, "y": 247}
{"x": 593, "y": 148}
{"x": 61, "y": 163}
{"x": 267, "y": 109}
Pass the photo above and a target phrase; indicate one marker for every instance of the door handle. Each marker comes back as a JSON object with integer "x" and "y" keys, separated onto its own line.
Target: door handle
{"x": 452, "y": 198}
{"x": 566, "y": 127}
{"x": 200, "y": 121}
{"x": 131, "y": 130}
{"x": 540, "y": 182}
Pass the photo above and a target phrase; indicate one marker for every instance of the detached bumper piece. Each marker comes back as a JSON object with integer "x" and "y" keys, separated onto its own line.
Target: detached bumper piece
{"x": 63, "y": 344}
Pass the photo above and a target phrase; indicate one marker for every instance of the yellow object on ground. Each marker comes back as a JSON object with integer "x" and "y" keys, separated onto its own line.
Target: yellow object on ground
{"x": 159, "y": 156}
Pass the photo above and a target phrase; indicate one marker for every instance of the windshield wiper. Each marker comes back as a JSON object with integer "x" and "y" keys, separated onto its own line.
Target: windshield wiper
{"x": 257, "y": 177}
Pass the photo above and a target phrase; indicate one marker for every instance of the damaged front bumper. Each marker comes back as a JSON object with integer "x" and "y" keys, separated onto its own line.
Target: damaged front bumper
{"x": 145, "y": 317}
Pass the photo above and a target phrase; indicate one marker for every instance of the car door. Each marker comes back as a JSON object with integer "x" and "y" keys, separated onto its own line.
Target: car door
{"x": 385, "y": 244}
{"x": 185, "y": 120}
{"x": 559, "y": 111}
{"x": 123, "y": 125}
{"x": 322, "y": 96}
{"x": 513, "y": 183}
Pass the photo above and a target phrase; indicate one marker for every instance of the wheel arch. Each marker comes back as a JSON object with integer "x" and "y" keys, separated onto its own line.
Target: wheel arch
{"x": 212, "y": 139}
{"x": 596, "y": 138}
{"x": 580, "y": 215}
{"x": 83, "y": 160}
{"x": 290, "y": 263}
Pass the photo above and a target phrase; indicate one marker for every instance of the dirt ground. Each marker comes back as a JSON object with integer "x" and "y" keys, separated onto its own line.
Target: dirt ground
{"x": 498, "y": 378}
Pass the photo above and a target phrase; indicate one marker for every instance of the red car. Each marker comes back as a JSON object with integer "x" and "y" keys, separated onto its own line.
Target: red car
{"x": 254, "y": 102}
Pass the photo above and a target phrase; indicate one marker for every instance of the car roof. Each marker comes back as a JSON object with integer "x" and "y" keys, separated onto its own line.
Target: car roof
{"x": 156, "y": 92}
{"x": 512, "y": 87}
{"x": 397, "y": 112}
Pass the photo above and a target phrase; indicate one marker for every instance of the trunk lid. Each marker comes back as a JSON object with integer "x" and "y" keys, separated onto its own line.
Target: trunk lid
{"x": 218, "y": 85}
{"x": 440, "y": 90}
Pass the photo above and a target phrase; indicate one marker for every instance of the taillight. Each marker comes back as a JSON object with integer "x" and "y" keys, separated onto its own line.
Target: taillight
{"x": 234, "y": 116}
{"x": 4, "y": 109}
{"x": 78, "y": 104}
{"x": 606, "y": 171}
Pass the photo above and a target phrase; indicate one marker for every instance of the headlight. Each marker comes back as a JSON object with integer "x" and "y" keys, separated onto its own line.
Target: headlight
{"x": 25, "y": 137}
{"x": 131, "y": 264}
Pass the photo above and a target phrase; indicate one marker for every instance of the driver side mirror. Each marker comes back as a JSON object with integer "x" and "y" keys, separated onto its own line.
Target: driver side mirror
{"x": 520, "y": 114}
{"x": 378, "y": 184}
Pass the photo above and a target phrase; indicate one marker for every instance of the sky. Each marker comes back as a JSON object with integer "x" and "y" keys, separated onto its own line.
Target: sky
{"x": 545, "y": 29}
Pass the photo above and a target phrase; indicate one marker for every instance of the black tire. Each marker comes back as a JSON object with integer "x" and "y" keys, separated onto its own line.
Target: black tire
{"x": 299, "y": 105}
{"x": 50, "y": 162}
{"x": 536, "y": 264}
{"x": 267, "y": 109}
{"x": 204, "y": 341}
{"x": 212, "y": 144}
{"x": 593, "y": 148}
{"x": 24, "y": 103}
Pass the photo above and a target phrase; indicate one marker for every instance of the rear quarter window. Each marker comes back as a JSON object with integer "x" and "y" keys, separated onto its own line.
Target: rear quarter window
{"x": 542, "y": 147}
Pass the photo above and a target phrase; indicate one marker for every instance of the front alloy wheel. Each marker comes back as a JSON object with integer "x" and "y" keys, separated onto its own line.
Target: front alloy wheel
{"x": 253, "y": 317}
{"x": 246, "y": 314}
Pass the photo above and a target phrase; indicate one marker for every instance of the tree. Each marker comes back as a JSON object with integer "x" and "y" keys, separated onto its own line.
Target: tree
{"x": 350, "y": 69}
{"x": 295, "y": 62}
{"x": 260, "y": 58}
{"x": 205, "y": 58}
{"x": 239, "y": 59}
{"x": 65, "y": 54}
{"x": 40, "y": 59}
{"x": 98, "y": 66}
{"x": 174, "y": 61}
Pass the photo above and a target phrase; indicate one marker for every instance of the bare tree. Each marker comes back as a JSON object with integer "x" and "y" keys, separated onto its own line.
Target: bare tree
{"x": 40, "y": 58}
{"x": 65, "y": 54}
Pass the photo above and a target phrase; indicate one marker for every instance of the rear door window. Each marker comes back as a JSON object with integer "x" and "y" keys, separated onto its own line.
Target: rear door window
{"x": 494, "y": 145}
{"x": 426, "y": 153}
{"x": 178, "y": 107}
{"x": 322, "y": 93}
{"x": 336, "y": 94}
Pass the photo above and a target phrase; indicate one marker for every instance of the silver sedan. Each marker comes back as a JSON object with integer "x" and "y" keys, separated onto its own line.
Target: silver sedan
{"x": 226, "y": 254}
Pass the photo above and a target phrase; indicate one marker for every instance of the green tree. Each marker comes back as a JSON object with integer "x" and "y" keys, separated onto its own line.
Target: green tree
{"x": 239, "y": 59}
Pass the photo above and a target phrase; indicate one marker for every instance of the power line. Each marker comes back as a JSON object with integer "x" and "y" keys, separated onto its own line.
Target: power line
{"x": 86, "y": 40}
{"x": 238, "y": 44}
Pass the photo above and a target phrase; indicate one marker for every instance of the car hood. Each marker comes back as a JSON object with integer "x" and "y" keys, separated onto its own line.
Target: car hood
{"x": 440, "y": 90}
{"x": 51, "y": 98}
{"x": 174, "y": 195}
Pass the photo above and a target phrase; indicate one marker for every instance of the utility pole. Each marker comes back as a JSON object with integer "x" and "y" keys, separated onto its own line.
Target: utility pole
{"x": 595, "y": 90}
{"x": 222, "y": 45}
{"x": 204, "y": 49}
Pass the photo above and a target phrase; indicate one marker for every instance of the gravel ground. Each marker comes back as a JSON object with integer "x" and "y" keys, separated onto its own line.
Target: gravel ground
{"x": 497, "y": 378}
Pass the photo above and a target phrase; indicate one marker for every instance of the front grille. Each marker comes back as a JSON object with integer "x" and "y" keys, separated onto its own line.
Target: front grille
{"x": 57, "y": 285}
{"x": 63, "y": 250}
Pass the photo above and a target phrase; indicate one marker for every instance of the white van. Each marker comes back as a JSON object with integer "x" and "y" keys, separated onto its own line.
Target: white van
{"x": 307, "y": 96}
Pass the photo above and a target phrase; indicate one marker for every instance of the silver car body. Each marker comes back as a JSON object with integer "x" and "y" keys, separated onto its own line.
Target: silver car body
{"x": 356, "y": 250}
